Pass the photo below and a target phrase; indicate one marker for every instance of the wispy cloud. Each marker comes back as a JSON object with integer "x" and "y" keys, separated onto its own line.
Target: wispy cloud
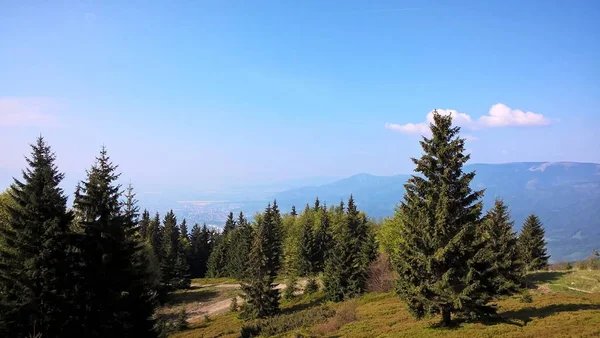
{"x": 28, "y": 112}
{"x": 499, "y": 115}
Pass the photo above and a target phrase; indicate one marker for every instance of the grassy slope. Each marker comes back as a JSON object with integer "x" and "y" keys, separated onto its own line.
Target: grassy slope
{"x": 553, "y": 313}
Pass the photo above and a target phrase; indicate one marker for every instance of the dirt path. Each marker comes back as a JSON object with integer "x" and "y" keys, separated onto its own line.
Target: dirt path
{"x": 223, "y": 305}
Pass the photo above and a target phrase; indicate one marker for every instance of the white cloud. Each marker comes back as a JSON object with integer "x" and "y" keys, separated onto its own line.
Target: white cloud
{"x": 409, "y": 128}
{"x": 499, "y": 115}
{"x": 29, "y": 112}
{"x": 469, "y": 137}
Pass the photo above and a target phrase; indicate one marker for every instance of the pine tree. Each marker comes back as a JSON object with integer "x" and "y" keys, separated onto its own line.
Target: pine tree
{"x": 229, "y": 224}
{"x": 502, "y": 266}
{"x": 170, "y": 252}
{"x": 217, "y": 261}
{"x": 439, "y": 218}
{"x": 154, "y": 237}
{"x": 182, "y": 268}
{"x": 307, "y": 252}
{"x": 35, "y": 265}
{"x": 354, "y": 248}
{"x": 239, "y": 248}
{"x": 293, "y": 212}
{"x": 532, "y": 246}
{"x": 195, "y": 260}
{"x": 323, "y": 238}
{"x": 262, "y": 299}
{"x": 113, "y": 290}
{"x": 144, "y": 225}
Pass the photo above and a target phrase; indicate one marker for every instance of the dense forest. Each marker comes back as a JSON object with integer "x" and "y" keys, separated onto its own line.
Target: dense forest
{"x": 101, "y": 267}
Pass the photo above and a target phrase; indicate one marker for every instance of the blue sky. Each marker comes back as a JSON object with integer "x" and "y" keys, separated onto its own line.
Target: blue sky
{"x": 216, "y": 93}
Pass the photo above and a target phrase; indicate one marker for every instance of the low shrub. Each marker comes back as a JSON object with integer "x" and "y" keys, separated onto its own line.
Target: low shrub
{"x": 312, "y": 286}
{"x": 346, "y": 313}
{"x": 284, "y": 323}
{"x": 381, "y": 276}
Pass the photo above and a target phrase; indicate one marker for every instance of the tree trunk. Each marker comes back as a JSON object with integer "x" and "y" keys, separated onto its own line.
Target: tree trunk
{"x": 446, "y": 317}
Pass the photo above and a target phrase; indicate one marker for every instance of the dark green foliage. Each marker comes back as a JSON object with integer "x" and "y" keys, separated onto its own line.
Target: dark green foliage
{"x": 35, "y": 264}
{"x": 262, "y": 299}
{"x": 308, "y": 250}
{"x": 217, "y": 261}
{"x": 113, "y": 288}
{"x": 174, "y": 265}
{"x": 438, "y": 222}
{"x": 285, "y": 323}
{"x": 229, "y": 224}
{"x": 293, "y": 212}
{"x": 291, "y": 286}
{"x": 144, "y": 225}
{"x": 170, "y": 250}
{"x": 502, "y": 267}
{"x": 312, "y": 286}
{"x": 239, "y": 246}
{"x": 323, "y": 239}
{"x": 532, "y": 246}
{"x": 199, "y": 251}
{"x": 353, "y": 249}
{"x": 234, "y": 307}
{"x": 154, "y": 236}
{"x": 182, "y": 320}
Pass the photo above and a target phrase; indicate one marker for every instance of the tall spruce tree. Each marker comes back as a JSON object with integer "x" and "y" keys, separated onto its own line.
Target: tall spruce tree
{"x": 170, "y": 252}
{"x": 439, "y": 220}
{"x": 532, "y": 246}
{"x": 154, "y": 237}
{"x": 197, "y": 248}
{"x": 501, "y": 262}
{"x": 35, "y": 265}
{"x": 113, "y": 291}
{"x": 260, "y": 294}
{"x": 217, "y": 261}
{"x": 307, "y": 250}
{"x": 323, "y": 238}
{"x": 144, "y": 224}
{"x": 240, "y": 245}
{"x": 353, "y": 249}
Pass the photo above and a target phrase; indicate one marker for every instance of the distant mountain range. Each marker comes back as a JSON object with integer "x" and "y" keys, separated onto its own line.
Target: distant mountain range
{"x": 565, "y": 195}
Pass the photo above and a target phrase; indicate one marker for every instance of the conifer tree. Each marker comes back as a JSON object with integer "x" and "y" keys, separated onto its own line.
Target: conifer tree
{"x": 154, "y": 237}
{"x": 217, "y": 261}
{"x": 182, "y": 267}
{"x": 323, "y": 238}
{"x": 502, "y": 267}
{"x": 144, "y": 225}
{"x": 113, "y": 290}
{"x": 532, "y": 246}
{"x": 261, "y": 297}
{"x": 229, "y": 224}
{"x": 196, "y": 248}
{"x": 35, "y": 265}
{"x": 307, "y": 248}
{"x": 170, "y": 251}
{"x": 239, "y": 248}
{"x": 439, "y": 219}
{"x": 353, "y": 249}
{"x": 293, "y": 212}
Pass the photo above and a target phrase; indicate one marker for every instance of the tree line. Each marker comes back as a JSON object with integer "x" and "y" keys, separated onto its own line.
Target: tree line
{"x": 100, "y": 268}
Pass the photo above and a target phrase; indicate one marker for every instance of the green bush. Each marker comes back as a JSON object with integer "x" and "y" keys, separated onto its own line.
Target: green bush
{"x": 526, "y": 297}
{"x": 285, "y": 323}
{"x": 312, "y": 286}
